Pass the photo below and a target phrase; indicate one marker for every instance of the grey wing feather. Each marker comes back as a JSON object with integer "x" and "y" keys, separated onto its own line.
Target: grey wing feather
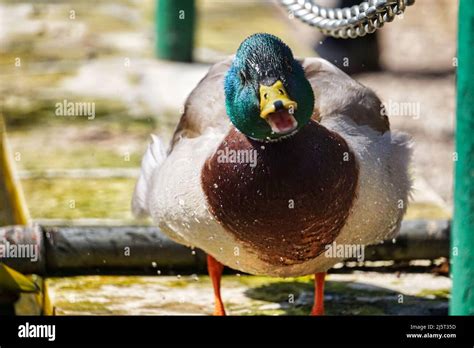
{"x": 336, "y": 93}
{"x": 205, "y": 106}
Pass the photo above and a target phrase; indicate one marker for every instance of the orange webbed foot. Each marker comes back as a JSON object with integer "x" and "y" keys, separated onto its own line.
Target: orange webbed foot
{"x": 318, "y": 306}
{"x": 215, "y": 269}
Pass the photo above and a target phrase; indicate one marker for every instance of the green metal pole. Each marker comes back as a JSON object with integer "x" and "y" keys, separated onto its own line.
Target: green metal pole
{"x": 462, "y": 243}
{"x": 175, "y": 20}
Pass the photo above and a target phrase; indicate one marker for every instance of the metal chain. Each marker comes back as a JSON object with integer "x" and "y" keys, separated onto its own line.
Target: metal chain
{"x": 348, "y": 22}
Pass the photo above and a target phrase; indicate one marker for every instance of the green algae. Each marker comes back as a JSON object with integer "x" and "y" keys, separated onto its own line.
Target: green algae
{"x": 79, "y": 198}
{"x": 423, "y": 210}
{"x": 435, "y": 293}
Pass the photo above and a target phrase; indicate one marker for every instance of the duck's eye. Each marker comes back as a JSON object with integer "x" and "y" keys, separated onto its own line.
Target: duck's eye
{"x": 280, "y": 91}
{"x": 243, "y": 77}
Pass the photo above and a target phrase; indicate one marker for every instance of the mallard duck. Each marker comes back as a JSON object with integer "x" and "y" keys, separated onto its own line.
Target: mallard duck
{"x": 275, "y": 159}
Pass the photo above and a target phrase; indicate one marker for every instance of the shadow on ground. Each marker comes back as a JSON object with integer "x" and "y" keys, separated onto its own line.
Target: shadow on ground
{"x": 348, "y": 298}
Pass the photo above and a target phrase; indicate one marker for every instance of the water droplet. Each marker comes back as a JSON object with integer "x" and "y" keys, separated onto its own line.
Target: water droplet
{"x": 215, "y": 185}
{"x": 178, "y": 276}
{"x": 181, "y": 202}
{"x": 193, "y": 252}
{"x": 158, "y": 272}
{"x": 153, "y": 264}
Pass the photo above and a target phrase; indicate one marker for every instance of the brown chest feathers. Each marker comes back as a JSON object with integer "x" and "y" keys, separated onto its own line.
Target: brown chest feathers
{"x": 285, "y": 200}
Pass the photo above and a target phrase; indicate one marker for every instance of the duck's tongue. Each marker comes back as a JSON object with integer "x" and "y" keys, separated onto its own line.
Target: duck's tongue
{"x": 282, "y": 122}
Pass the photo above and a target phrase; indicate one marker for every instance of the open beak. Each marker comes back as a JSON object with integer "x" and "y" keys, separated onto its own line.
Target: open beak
{"x": 277, "y": 108}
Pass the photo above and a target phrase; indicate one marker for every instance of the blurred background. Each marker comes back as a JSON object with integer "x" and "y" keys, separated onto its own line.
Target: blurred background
{"x": 81, "y": 171}
{"x": 104, "y": 53}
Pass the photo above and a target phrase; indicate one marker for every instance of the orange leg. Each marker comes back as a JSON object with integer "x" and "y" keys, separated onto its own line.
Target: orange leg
{"x": 215, "y": 269}
{"x": 318, "y": 307}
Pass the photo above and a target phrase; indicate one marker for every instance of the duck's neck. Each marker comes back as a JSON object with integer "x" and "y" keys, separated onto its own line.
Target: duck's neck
{"x": 286, "y": 199}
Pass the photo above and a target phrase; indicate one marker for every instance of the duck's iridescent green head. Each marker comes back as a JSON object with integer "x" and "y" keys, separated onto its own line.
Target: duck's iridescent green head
{"x": 267, "y": 93}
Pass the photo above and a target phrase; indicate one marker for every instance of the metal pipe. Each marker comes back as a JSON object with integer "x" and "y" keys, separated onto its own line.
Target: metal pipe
{"x": 135, "y": 249}
{"x": 23, "y": 248}
{"x": 138, "y": 249}
{"x": 417, "y": 239}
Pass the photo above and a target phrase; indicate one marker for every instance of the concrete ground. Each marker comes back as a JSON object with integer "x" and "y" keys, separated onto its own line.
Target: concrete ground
{"x": 358, "y": 293}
